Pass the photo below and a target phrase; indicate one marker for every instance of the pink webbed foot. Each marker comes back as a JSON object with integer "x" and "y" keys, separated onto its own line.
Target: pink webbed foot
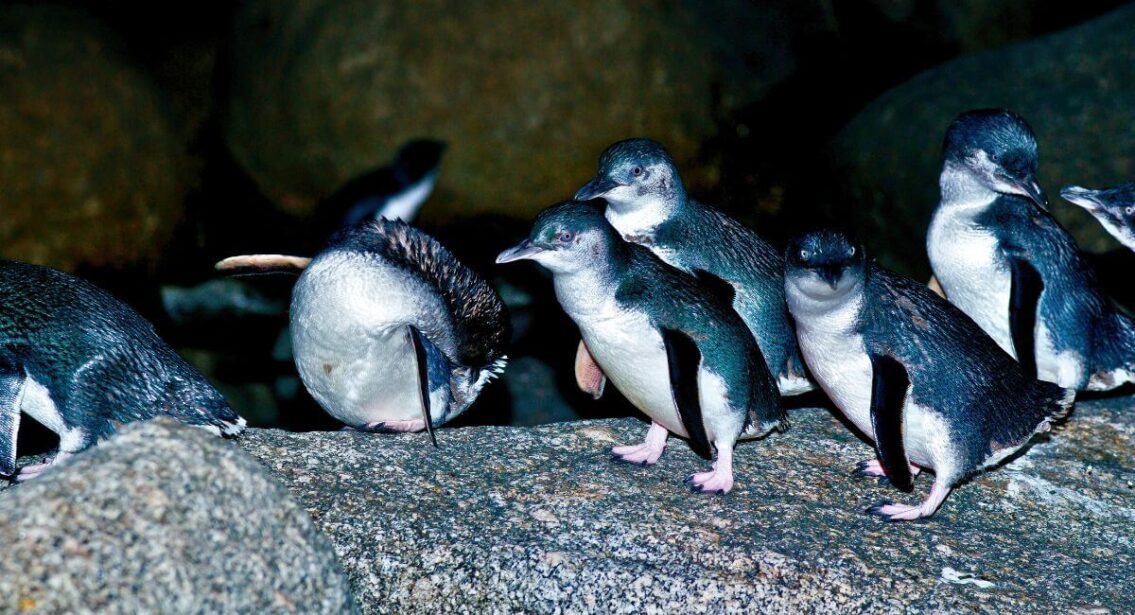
{"x": 718, "y": 480}
{"x": 906, "y": 512}
{"x": 873, "y": 469}
{"x": 32, "y": 471}
{"x": 646, "y": 453}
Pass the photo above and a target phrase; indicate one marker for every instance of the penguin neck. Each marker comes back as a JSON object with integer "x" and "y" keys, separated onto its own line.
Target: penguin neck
{"x": 588, "y": 290}
{"x": 645, "y": 214}
{"x": 962, "y": 189}
{"x": 832, "y": 315}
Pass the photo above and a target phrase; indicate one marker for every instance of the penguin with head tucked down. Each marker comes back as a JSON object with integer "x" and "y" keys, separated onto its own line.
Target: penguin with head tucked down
{"x": 671, "y": 344}
{"x": 911, "y": 371}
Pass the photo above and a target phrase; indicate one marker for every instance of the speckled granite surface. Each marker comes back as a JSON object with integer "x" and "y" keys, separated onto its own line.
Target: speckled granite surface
{"x": 539, "y": 519}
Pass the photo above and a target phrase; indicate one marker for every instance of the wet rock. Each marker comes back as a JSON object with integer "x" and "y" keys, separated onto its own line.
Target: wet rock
{"x": 163, "y": 518}
{"x": 92, "y": 169}
{"x": 526, "y": 95}
{"x": 1076, "y": 88}
{"x": 538, "y": 519}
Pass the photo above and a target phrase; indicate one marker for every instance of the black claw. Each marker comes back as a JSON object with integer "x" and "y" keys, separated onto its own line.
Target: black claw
{"x": 884, "y": 481}
{"x": 643, "y": 463}
{"x": 615, "y": 457}
{"x": 689, "y": 480}
{"x": 877, "y": 510}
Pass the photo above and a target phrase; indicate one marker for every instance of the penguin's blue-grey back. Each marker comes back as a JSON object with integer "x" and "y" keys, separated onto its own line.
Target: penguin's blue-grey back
{"x": 479, "y": 319}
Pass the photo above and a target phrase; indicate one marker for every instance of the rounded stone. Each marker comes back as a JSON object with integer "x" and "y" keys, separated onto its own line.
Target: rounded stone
{"x": 92, "y": 171}
{"x": 526, "y": 94}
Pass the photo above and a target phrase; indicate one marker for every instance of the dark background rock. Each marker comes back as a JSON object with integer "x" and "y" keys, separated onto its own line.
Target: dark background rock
{"x": 539, "y": 520}
{"x": 93, "y": 169}
{"x": 163, "y": 518}
{"x": 527, "y": 95}
{"x": 1076, "y": 88}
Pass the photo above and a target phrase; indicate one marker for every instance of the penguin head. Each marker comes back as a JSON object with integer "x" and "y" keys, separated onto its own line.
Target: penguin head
{"x": 416, "y": 159}
{"x": 636, "y": 175}
{"x": 824, "y": 264}
{"x": 1113, "y": 207}
{"x": 566, "y": 237}
{"x": 998, "y": 148}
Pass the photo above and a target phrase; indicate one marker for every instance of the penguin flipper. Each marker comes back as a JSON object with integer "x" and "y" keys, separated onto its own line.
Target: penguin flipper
{"x": 421, "y": 362}
{"x": 12, "y": 379}
{"x": 1026, "y": 286}
{"x": 684, "y": 359}
{"x": 588, "y": 375}
{"x": 889, "y": 383}
{"x": 717, "y": 284}
{"x": 256, "y": 264}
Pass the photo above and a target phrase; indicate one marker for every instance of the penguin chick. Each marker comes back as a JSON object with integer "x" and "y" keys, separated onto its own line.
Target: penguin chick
{"x": 80, "y": 362}
{"x": 1007, "y": 263}
{"x": 911, "y": 371}
{"x": 648, "y": 205}
{"x": 1113, "y": 207}
{"x": 390, "y": 332}
{"x": 671, "y": 345}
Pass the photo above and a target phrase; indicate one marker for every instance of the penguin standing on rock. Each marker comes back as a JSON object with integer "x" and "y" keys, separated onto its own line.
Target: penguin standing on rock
{"x": 648, "y": 205}
{"x": 1113, "y": 207}
{"x": 81, "y": 363}
{"x": 670, "y": 343}
{"x": 390, "y": 332}
{"x": 911, "y": 371}
{"x": 1004, "y": 260}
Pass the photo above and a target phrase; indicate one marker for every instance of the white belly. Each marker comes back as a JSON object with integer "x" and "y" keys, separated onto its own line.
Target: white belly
{"x": 840, "y": 364}
{"x": 968, "y": 265}
{"x": 348, "y": 325}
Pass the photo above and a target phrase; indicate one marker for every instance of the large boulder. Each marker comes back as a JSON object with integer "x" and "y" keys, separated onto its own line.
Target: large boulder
{"x": 527, "y": 94}
{"x": 91, "y": 168}
{"x": 504, "y": 519}
{"x": 163, "y": 518}
{"x": 1076, "y": 88}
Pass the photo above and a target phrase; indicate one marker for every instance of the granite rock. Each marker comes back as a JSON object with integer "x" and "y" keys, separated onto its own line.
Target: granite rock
{"x": 163, "y": 517}
{"x": 540, "y": 520}
{"x": 1077, "y": 90}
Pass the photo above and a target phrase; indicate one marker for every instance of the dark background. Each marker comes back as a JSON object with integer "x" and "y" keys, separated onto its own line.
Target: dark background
{"x": 141, "y": 142}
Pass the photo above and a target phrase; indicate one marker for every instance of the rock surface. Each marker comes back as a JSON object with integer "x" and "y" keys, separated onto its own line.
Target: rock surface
{"x": 1076, "y": 88}
{"x": 539, "y": 520}
{"x": 93, "y": 170}
{"x": 163, "y": 518}
{"x": 526, "y": 94}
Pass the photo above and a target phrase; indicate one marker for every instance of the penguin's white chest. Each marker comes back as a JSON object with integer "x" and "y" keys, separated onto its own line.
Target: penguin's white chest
{"x": 349, "y": 322}
{"x": 632, "y": 355}
{"x": 967, "y": 261}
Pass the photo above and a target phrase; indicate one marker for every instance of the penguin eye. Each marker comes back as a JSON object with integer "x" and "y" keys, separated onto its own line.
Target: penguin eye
{"x": 637, "y": 171}
{"x": 804, "y": 254}
{"x": 851, "y": 252}
{"x": 565, "y": 236}
{"x": 995, "y": 157}
{"x": 1130, "y": 209}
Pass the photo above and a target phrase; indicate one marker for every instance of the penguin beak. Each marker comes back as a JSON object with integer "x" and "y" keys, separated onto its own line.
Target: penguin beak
{"x": 521, "y": 251}
{"x": 1080, "y": 196}
{"x": 1029, "y": 188}
{"x": 596, "y": 188}
{"x": 831, "y": 275}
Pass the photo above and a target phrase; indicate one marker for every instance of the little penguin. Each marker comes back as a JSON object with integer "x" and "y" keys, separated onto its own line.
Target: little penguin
{"x": 82, "y": 363}
{"x": 395, "y": 191}
{"x": 648, "y": 205}
{"x": 911, "y": 371}
{"x": 1113, "y": 207}
{"x": 670, "y": 343}
{"x": 1001, "y": 257}
{"x": 390, "y": 332}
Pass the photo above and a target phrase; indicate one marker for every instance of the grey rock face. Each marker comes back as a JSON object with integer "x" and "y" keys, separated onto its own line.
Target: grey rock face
{"x": 163, "y": 518}
{"x": 538, "y": 519}
{"x": 1077, "y": 90}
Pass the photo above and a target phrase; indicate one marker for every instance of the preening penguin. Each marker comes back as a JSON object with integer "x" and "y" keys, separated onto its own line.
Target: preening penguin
{"x": 648, "y": 205}
{"x": 911, "y": 371}
{"x": 671, "y": 344}
{"x": 81, "y": 362}
{"x": 1006, "y": 262}
{"x": 391, "y": 332}
{"x": 1113, "y": 207}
